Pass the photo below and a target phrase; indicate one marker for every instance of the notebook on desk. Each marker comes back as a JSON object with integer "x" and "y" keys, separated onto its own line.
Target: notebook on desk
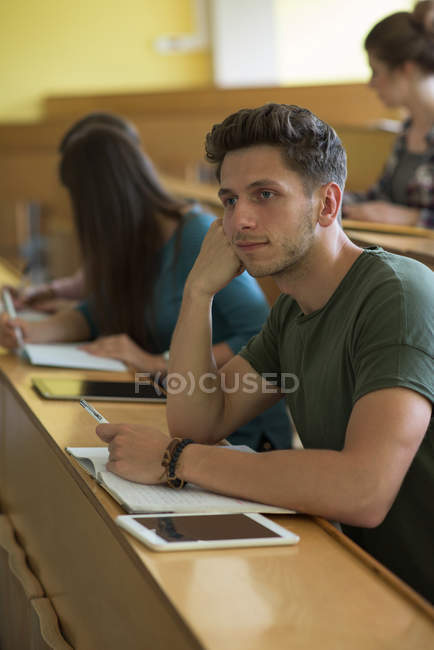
{"x": 67, "y": 355}
{"x": 140, "y": 499}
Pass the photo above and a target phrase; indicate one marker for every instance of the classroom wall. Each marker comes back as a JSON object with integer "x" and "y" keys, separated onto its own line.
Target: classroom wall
{"x": 321, "y": 41}
{"x": 63, "y": 47}
{"x": 58, "y": 47}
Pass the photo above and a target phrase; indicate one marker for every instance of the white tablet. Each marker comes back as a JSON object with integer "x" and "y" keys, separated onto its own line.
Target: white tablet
{"x": 179, "y": 532}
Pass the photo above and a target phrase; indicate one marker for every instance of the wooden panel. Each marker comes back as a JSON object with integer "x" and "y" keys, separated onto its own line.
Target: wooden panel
{"x": 72, "y": 549}
{"x": 45, "y": 633}
{"x": 28, "y": 620}
{"x": 343, "y": 103}
{"x": 172, "y": 126}
{"x": 15, "y": 231}
{"x": 17, "y": 587}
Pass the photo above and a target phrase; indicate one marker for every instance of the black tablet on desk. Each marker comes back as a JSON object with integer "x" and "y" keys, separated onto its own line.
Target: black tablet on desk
{"x": 76, "y": 389}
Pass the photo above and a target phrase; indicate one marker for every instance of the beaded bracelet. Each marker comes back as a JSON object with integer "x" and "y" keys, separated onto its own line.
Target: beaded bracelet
{"x": 171, "y": 457}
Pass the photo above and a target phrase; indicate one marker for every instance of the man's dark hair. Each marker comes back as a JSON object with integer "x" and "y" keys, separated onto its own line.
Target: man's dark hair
{"x": 309, "y": 146}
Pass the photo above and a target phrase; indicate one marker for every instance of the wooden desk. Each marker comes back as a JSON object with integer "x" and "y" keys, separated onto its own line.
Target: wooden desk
{"x": 110, "y": 592}
{"x": 420, "y": 248}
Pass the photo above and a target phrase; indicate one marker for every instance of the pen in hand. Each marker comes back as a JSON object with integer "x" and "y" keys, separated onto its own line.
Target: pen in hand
{"x": 93, "y": 412}
{"x": 10, "y": 310}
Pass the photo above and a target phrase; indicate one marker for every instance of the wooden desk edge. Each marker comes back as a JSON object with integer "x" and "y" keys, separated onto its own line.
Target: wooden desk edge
{"x": 379, "y": 569}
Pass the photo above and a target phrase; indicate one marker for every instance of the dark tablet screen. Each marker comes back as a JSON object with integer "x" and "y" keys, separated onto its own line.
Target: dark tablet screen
{"x": 205, "y": 527}
{"x": 76, "y": 389}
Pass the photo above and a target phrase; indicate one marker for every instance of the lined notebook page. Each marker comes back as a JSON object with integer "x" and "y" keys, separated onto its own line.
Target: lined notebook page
{"x": 139, "y": 498}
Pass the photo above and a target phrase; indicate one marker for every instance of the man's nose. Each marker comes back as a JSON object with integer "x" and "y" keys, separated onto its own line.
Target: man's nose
{"x": 243, "y": 216}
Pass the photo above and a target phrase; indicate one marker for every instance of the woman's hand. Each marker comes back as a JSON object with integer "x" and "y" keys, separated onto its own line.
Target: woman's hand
{"x": 41, "y": 297}
{"x": 122, "y": 347}
{"x": 382, "y": 212}
{"x": 8, "y": 335}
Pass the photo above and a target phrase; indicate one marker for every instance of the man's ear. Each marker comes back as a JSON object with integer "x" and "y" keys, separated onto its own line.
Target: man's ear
{"x": 330, "y": 201}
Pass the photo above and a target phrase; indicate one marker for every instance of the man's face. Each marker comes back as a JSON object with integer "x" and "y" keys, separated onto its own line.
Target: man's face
{"x": 268, "y": 217}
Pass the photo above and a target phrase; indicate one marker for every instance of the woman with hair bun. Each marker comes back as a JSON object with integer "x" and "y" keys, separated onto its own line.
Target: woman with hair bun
{"x": 400, "y": 49}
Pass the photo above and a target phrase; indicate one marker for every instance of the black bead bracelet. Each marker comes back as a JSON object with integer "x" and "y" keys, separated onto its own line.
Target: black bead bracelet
{"x": 170, "y": 459}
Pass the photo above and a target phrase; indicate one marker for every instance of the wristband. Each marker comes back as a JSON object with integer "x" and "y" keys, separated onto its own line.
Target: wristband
{"x": 170, "y": 459}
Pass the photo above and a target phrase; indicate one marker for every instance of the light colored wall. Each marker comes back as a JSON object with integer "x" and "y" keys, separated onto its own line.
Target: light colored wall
{"x": 50, "y": 47}
{"x": 321, "y": 41}
{"x": 78, "y": 46}
{"x": 244, "y": 43}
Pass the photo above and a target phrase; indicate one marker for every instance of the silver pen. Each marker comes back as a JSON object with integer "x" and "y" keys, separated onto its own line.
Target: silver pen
{"x": 10, "y": 310}
{"x": 93, "y": 412}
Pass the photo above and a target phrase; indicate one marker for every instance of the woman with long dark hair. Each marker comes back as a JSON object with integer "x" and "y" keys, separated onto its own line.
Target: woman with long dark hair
{"x": 138, "y": 245}
{"x": 401, "y": 55}
{"x": 51, "y": 296}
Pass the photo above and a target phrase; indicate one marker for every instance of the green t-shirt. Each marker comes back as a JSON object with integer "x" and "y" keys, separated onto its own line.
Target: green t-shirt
{"x": 376, "y": 331}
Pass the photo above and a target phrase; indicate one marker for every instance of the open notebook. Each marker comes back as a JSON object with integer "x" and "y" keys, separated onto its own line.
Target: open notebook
{"x": 67, "y": 355}
{"x": 137, "y": 498}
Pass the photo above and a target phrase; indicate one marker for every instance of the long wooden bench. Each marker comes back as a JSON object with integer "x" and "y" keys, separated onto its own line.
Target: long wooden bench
{"x": 172, "y": 126}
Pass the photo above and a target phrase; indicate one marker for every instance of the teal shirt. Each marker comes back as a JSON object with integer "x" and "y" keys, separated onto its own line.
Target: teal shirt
{"x": 238, "y": 313}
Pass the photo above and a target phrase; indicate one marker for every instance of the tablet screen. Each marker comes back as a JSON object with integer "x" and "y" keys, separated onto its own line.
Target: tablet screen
{"x": 205, "y": 527}
{"x": 53, "y": 388}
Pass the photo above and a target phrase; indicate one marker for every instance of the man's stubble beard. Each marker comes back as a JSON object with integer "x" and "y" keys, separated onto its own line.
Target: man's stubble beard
{"x": 294, "y": 257}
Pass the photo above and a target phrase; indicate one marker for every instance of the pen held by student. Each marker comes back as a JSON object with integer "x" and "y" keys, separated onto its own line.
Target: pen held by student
{"x": 10, "y": 310}
{"x": 93, "y": 412}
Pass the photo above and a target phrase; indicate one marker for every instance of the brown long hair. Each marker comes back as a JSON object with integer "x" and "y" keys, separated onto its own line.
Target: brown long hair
{"x": 405, "y": 36}
{"x": 103, "y": 118}
{"x": 117, "y": 198}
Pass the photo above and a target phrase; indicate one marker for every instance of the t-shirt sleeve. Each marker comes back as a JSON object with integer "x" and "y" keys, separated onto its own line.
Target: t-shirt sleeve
{"x": 262, "y": 351}
{"x": 394, "y": 342}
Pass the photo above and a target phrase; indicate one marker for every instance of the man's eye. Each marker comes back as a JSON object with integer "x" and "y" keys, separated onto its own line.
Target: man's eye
{"x": 266, "y": 194}
{"x": 230, "y": 202}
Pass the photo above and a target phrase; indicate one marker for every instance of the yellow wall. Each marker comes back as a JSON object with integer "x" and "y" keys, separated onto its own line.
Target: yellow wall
{"x": 78, "y": 46}
{"x": 50, "y": 47}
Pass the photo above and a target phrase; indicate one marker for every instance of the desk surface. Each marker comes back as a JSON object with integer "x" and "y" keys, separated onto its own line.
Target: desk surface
{"x": 319, "y": 592}
{"x": 421, "y": 248}
{"x": 323, "y": 592}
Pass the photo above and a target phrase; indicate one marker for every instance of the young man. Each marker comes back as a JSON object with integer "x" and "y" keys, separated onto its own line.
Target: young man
{"x": 348, "y": 344}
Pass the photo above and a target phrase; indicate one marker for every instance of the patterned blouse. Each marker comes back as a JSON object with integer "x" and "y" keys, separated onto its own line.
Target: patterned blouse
{"x": 419, "y": 189}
